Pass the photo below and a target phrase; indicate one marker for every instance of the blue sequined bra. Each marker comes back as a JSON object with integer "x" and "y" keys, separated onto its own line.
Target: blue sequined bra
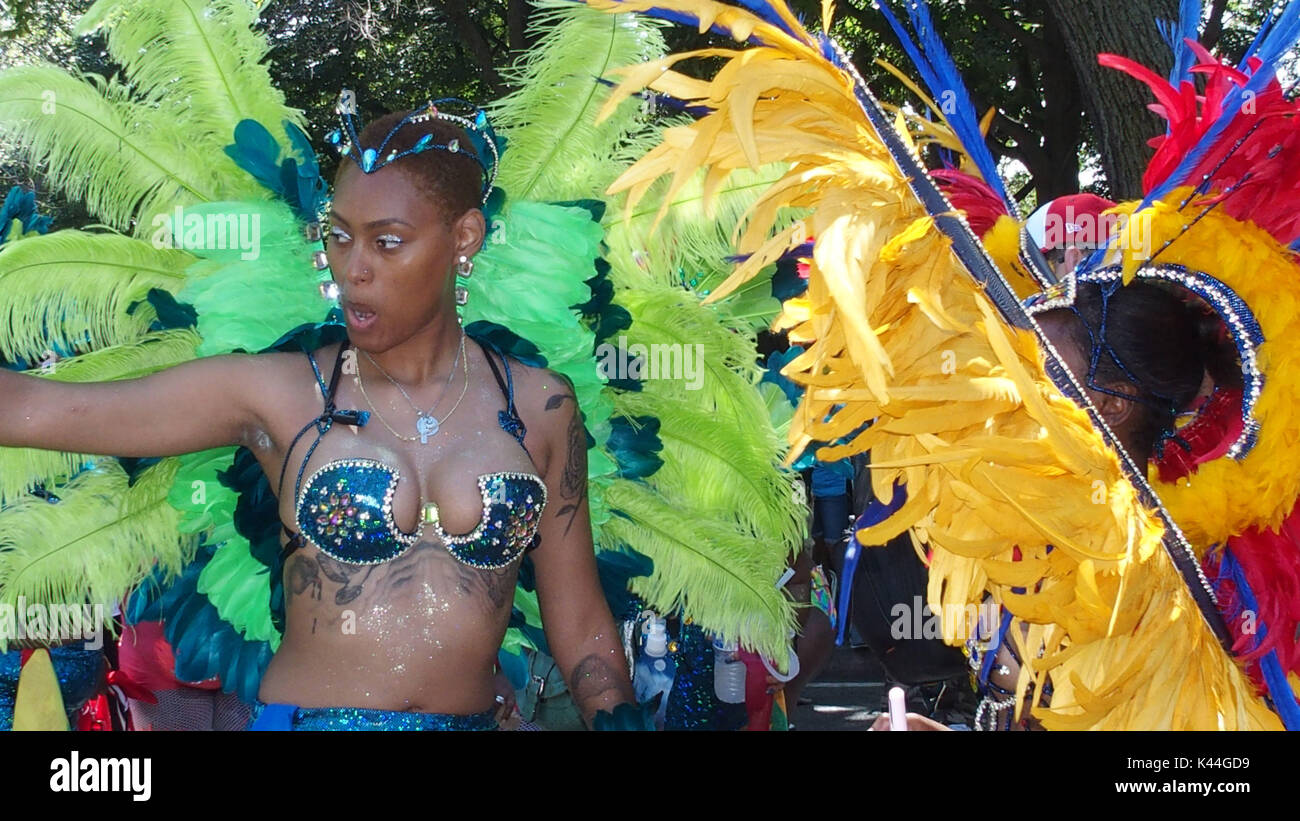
{"x": 345, "y": 508}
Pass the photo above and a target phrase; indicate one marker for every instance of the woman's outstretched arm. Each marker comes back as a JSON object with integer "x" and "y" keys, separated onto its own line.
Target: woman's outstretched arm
{"x": 190, "y": 407}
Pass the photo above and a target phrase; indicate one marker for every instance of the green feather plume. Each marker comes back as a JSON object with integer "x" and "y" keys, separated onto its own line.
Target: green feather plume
{"x": 236, "y": 584}
{"x": 727, "y": 360}
{"x": 557, "y": 150}
{"x": 205, "y": 504}
{"x": 150, "y": 353}
{"x": 248, "y": 304}
{"x": 98, "y": 542}
{"x": 73, "y": 288}
{"x": 199, "y": 61}
{"x": 22, "y": 469}
{"x": 94, "y": 146}
{"x": 719, "y": 577}
{"x": 725, "y": 472}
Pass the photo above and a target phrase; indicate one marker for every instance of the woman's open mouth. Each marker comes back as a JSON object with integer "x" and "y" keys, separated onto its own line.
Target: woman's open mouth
{"x": 359, "y": 317}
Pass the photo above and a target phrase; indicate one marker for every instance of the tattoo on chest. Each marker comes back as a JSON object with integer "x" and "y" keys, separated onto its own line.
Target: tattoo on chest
{"x": 427, "y": 564}
{"x": 351, "y": 576}
{"x": 304, "y": 575}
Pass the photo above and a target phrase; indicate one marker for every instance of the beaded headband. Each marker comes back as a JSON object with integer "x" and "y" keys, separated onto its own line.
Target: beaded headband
{"x": 484, "y": 148}
{"x": 1241, "y": 324}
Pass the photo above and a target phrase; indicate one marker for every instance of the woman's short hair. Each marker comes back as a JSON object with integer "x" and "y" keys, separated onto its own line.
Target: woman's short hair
{"x": 453, "y": 181}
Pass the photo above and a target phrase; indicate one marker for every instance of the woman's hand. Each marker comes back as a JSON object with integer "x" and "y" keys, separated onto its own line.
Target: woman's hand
{"x": 505, "y": 697}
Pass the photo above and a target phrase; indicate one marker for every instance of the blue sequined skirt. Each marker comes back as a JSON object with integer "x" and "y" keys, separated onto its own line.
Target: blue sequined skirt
{"x": 79, "y": 672}
{"x": 290, "y": 717}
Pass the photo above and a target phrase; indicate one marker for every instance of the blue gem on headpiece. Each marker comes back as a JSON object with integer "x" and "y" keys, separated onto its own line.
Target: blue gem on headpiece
{"x": 484, "y": 145}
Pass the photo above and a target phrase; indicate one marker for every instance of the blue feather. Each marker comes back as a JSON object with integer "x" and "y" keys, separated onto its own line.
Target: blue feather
{"x": 1177, "y": 35}
{"x": 1279, "y": 690}
{"x": 20, "y": 204}
{"x": 769, "y": 14}
{"x": 257, "y": 152}
{"x": 1282, "y": 35}
{"x": 941, "y": 77}
{"x": 1264, "y": 28}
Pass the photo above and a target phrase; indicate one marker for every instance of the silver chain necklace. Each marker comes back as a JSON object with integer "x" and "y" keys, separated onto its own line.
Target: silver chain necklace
{"x": 426, "y": 424}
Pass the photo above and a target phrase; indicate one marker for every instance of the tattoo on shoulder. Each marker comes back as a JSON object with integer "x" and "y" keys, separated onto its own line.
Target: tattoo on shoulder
{"x": 573, "y": 482}
{"x": 592, "y": 677}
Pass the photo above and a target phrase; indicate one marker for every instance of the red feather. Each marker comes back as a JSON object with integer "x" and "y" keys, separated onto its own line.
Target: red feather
{"x": 1251, "y": 164}
{"x": 972, "y": 196}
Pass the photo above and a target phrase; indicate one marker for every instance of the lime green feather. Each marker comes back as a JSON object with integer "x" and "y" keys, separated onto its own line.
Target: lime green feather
{"x": 94, "y": 146}
{"x": 721, "y": 477}
{"x": 557, "y": 150}
{"x": 22, "y": 469}
{"x": 152, "y": 352}
{"x": 701, "y": 228}
{"x": 73, "y": 288}
{"x": 101, "y": 539}
{"x": 548, "y": 252}
{"x": 726, "y": 362}
{"x": 721, "y": 578}
{"x": 199, "y": 61}
{"x": 725, "y": 471}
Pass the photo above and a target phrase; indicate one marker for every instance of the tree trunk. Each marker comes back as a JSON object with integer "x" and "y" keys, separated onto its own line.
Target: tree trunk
{"x": 517, "y": 14}
{"x": 1116, "y": 103}
{"x": 475, "y": 41}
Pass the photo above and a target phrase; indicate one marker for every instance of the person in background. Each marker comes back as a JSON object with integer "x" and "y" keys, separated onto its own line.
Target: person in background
{"x": 1068, "y": 228}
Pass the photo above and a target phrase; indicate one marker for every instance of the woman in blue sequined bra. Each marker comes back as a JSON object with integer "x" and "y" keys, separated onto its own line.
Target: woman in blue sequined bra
{"x": 415, "y": 467}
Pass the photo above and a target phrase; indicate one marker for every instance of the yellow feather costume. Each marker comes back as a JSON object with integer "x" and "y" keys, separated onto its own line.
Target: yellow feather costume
{"x": 993, "y": 456}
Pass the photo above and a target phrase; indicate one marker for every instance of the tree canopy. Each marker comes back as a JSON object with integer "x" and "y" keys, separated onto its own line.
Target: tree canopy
{"x": 1032, "y": 60}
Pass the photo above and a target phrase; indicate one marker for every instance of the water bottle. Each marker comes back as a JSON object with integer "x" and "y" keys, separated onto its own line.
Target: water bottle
{"x": 655, "y": 669}
{"x": 728, "y": 672}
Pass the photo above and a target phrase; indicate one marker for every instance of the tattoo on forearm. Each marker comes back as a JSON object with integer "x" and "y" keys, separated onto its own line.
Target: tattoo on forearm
{"x": 593, "y": 677}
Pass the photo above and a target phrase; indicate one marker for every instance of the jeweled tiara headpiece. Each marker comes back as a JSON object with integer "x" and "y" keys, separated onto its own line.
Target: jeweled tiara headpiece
{"x": 484, "y": 148}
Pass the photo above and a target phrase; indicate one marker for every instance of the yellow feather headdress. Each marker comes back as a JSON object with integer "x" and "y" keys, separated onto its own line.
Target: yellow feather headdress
{"x": 1011, "y": 491}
